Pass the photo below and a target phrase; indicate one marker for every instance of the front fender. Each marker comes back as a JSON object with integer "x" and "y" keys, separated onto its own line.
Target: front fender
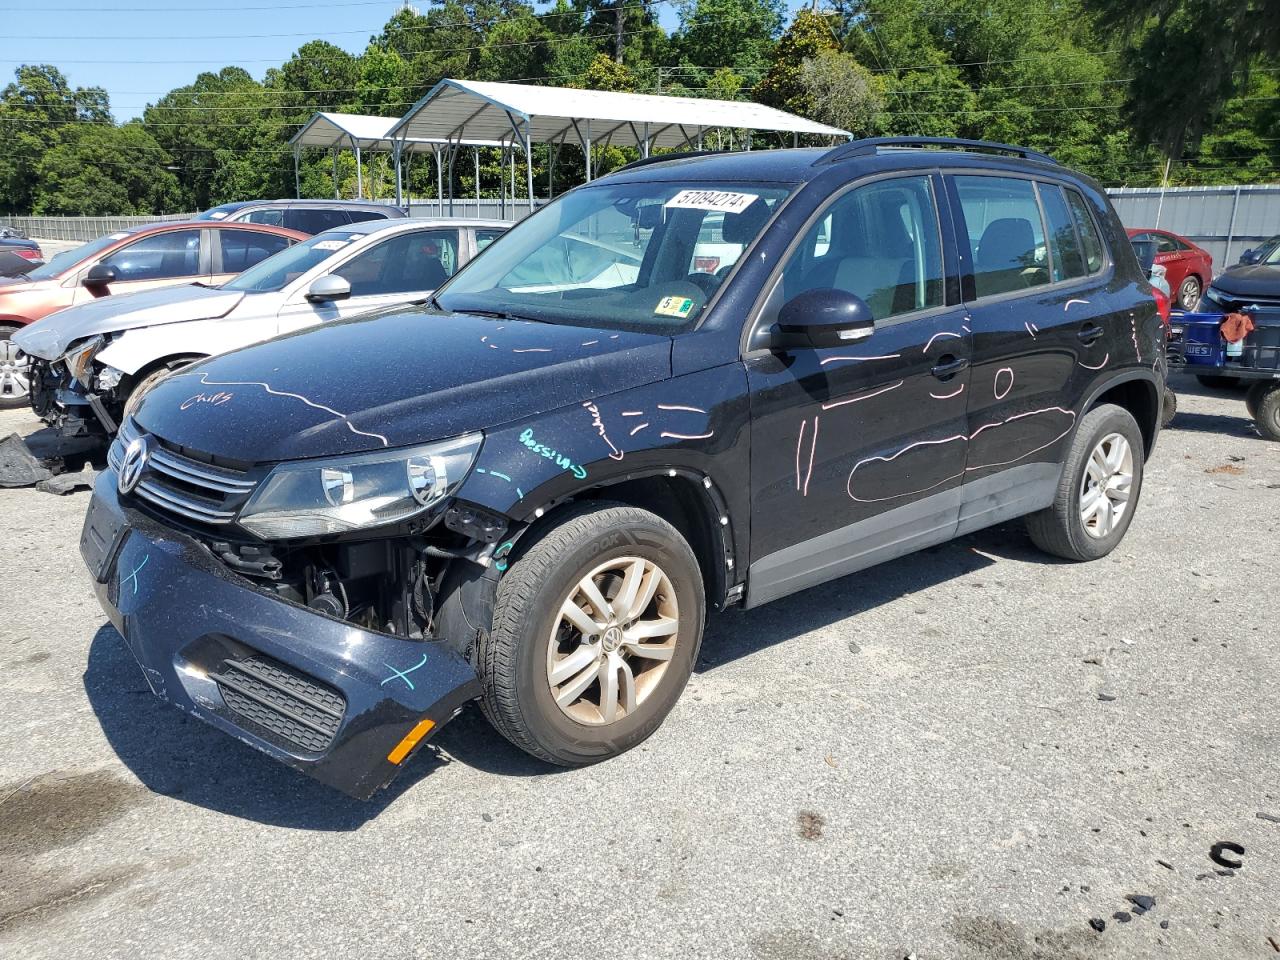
{"x": 135, "y": 350}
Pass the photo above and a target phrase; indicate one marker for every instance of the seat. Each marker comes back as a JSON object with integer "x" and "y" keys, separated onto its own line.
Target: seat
{"x": 1004, "y": 255}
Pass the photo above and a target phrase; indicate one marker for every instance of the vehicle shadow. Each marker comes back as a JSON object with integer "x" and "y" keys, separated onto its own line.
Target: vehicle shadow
{"x": 176, "y": 755}
{"x": 1240, "y": 426}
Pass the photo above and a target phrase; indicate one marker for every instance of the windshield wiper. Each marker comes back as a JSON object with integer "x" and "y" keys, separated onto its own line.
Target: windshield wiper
{"x": 502, "y": 315}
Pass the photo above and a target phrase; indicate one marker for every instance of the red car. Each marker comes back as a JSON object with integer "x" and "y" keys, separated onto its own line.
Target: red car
{"x": 1188, "y": 268}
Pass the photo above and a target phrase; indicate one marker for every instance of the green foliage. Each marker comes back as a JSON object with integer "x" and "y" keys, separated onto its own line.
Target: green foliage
{"x": 1108, "y": 86}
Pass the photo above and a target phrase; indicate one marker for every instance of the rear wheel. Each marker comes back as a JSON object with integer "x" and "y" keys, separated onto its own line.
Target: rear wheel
{"x": 15, "y": 371}
{"x": 1267, "y": 415}
{"x": 1254, "y": 396}
{"x": 1098, "y": 492}
{"x": 1189, "y": 293}
{"x": 595, "y": 630}
{"x": 1217, "y": 382}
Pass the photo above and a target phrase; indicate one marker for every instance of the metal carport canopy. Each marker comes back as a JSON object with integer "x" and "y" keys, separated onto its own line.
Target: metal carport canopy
{"x": 471, "y": 109}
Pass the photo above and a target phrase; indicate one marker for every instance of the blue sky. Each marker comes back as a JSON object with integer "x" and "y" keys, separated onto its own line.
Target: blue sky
{"x": 140, "y": 49}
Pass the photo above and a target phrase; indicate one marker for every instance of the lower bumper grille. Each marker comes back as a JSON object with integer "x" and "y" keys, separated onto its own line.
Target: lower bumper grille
{"x": 294, "y": 708}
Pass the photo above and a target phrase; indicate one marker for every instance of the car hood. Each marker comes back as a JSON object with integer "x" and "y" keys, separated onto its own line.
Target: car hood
{"x": 1244, "y": 282}
{"x": 49, "y": 337}
{"x": 391, "y": 380}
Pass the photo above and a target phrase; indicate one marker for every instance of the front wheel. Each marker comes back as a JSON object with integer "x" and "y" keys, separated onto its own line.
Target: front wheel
{"x": 596, "y": 627}
{"x": 1189, "y": 293}
{"x": 15, "y": 371}
{"x": 1098, "y": 492}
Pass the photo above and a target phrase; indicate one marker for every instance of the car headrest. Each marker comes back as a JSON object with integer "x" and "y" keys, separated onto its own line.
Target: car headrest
{"x": 743, "y": 227}
{"x": 1005, "y": 244}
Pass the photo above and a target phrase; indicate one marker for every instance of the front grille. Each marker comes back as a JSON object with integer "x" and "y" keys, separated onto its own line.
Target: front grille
{"x": 295, "y": 708}
{"x": 177, "y": 484}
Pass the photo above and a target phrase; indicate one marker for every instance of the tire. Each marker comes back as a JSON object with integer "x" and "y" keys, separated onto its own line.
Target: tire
{"x": 15, "y": 384}
{"x": 1061, "y": 529}
{"x": 515, "y": 659}
{"x": 1217, "y": 382}
{"x": 1254, "y": 396}
{"x": 1189, "y": 292}
{"x": 139, "y": 389}
{"x": 1268, "y": 412}
{"x": 1170, "y": 408}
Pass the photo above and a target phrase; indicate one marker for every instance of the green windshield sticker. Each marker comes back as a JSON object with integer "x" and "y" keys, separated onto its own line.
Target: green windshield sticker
{"x": 674, "y": 307}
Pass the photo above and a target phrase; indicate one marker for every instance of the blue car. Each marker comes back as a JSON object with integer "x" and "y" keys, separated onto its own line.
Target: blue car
{"x": 18, "y": 255}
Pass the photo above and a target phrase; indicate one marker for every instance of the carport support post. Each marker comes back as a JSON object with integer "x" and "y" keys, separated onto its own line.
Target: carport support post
{"x": 359, "y": 175}
{"x": 439, "y": 183}
{"x": 395, "y": 157}
{"x": 528, "y": 161}
{"x": 475, "y": 153}
{"x": 297, "y": 178}
{"x": 334, "y": 151}
{"x": 1231, "y": 227}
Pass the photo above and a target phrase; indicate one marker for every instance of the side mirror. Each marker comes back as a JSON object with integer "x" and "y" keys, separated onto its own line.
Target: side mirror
{"x": 824, "y": 317}
{"x": 100, "y": 275}
{"x": 328, "y": 289}
{"x": 1248, "y": 257}
{"x": 1146, "y": 253}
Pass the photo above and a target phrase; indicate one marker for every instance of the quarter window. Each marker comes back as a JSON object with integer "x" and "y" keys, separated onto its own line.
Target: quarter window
{"x": 161, "y": 256}
{"x": 1089, "y": 239}
{"x": 410, "y": 263}
{"x": 881, "y": 242}
{"x": 1006, "y": 236}
{"x": 1068, "y": 260}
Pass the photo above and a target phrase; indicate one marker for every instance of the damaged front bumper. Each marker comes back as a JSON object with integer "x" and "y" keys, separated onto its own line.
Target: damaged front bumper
{"x": 345, "y": 705}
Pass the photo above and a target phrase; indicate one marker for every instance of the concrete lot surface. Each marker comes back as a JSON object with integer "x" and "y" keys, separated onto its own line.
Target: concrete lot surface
{"x": 968, "y": 753}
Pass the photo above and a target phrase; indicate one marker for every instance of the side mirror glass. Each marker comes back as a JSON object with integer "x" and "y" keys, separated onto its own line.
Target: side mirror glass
{"x": 328, "y": 289}
{"x": 100, "y": 275}
{"x": 825, "y": 317}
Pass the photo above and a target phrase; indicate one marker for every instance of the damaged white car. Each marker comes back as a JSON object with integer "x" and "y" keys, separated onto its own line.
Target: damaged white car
{"x": 91, "y": 364}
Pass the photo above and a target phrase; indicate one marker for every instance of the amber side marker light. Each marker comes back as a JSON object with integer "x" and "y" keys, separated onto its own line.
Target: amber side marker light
{"x": 420, "y": 730}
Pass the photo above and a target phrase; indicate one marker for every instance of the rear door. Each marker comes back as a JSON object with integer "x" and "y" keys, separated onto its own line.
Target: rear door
{"x": 858, "y": 452}
{"x": 1044, "y": 325}
{"x": 235, "y": 251}
{"x": 401, "y": 268}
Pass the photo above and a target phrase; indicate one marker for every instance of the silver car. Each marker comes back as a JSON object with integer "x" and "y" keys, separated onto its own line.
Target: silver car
{"x": 91, "y": 363}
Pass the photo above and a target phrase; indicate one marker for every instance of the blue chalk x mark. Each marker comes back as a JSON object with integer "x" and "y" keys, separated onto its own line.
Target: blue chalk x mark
{"x": 403, "y": 674}
{"x": 134, "y": 575}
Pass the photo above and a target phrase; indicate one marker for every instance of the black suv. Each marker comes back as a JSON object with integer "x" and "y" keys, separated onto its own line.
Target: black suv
{"x": 703, "y": 381}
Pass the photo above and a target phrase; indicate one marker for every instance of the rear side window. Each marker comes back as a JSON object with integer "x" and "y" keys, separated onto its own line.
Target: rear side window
{"x": 1089, "y": 238}
{"x": 356, "y": 216}
{"x": 486, "y": 237}
{"x": 241, "y": 249}
{"x": 1068, "y": 260}
{"x": 313, "y": 221}
{"x": 1006, "y": 236}
{"x": 274, "y": 217}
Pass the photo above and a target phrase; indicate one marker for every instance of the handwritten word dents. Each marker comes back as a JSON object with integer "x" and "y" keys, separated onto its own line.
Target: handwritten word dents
{"x": 563, "y": 462}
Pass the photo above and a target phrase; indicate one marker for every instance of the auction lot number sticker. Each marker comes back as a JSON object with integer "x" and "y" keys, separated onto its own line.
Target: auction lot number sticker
{"x": 723, "y": 200}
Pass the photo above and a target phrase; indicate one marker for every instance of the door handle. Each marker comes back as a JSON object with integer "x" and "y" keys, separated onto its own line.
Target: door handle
{"x": 949, "y": 366}
{"x": 1089, "y": 333}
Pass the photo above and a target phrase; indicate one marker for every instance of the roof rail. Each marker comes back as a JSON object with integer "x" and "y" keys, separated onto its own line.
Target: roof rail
{"x": 659, "y": 158}
{"x": 873, "y": 145}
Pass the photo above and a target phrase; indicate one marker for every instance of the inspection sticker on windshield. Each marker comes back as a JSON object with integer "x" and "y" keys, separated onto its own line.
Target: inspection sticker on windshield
{"x": 330, "y": 244}
{"x": 674, "y": 307}
{"x": 711, "y": 200}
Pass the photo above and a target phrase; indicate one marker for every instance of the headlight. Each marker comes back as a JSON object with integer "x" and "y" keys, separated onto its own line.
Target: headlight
{"x": 314, "y": 497}
{"x": 80, "y": 356}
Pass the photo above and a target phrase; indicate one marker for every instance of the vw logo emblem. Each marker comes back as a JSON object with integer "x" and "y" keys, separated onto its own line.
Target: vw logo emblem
{"x": 134, "y": 462}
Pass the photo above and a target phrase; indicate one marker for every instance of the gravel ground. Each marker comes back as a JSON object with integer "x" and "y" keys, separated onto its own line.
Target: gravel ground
{"x": 967, "y": 753}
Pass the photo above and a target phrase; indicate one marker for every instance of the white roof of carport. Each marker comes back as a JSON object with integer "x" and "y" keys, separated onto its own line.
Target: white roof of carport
{"x": 468, "y": 109}
{"x": 349, "y": 130}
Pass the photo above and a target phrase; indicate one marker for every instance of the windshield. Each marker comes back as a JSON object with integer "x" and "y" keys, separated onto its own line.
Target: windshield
{"x": 639, "y": 256}
{"x": 217, "y": 213}
{"x": 277, "y": 272}
{"x": 1271, "y": 256}
{"x": 69, "y": 258}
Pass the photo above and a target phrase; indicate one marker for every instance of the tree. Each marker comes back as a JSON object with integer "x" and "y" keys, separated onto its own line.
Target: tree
{"x": 730, "y": 33}
{"x": 810, "y": 34}
{"x": 840, "y": 92}
{"x": 606, "y": 74}
{"x": 99, "y": 169}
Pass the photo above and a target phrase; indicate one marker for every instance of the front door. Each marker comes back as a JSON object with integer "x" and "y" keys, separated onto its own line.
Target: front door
{"x": 404, "y": 267}
{"x": 858, "y": 451}
{"x": 163, "y": 259}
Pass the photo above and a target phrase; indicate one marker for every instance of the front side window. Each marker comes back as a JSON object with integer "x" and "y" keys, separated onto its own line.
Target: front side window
{"x": 241, "y": 249}
{"x": 619, "y": 255}
{"x": 161, "y": 256}
{"x": 1068, "y": 260}
{"x": 1089, "y": 238}
{"x": 1006, "y": 236}
{"x": 61, "y": 262}
{"x": 275, "y": 273}
{"x": 412, "y": 262}
{"x": 881, "y": 242}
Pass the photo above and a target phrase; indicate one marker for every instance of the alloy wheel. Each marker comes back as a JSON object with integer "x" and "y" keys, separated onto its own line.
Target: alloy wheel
{"x": 1189, "y": 293}
{"x": 612, "y": 640}
{"x": 1106, "y": 486}
{"x": 15, "y": 372}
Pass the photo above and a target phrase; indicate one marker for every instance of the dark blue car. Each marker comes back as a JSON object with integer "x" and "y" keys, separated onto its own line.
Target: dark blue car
{"x": 18, "y": 255}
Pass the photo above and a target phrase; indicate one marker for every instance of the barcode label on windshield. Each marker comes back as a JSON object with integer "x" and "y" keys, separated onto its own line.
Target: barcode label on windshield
{"x": 711, "y": 200}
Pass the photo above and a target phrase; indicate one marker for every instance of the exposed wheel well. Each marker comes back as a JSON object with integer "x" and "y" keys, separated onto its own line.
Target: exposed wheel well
{"x": 177, "y": 360}
{"x": 686, "y": 505}
{"x": 1140, "y": 398}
